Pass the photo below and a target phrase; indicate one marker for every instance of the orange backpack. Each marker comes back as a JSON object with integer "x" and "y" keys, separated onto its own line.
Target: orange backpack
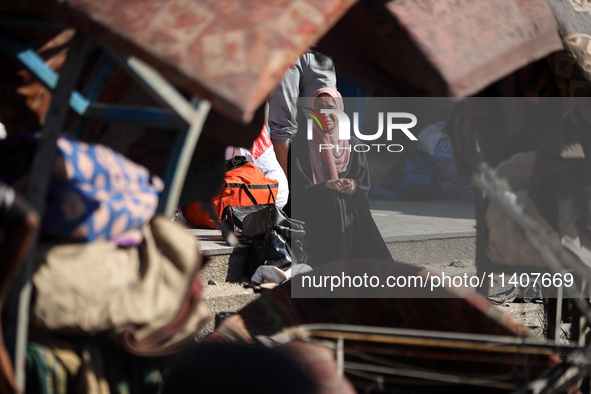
{"x": 244, "y": 185}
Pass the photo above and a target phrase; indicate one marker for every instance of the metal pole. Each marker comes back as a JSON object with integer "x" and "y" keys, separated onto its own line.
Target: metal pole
{"x": 175, "y": 187}
{"x": 194, "y": 113}
{"x": 36, "y": 191}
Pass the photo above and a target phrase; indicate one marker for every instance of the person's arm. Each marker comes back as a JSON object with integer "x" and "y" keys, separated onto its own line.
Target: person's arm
{"x": 282, "y": 113}
{"x": 282, "y": 153}
{"x": 20, "y": 223}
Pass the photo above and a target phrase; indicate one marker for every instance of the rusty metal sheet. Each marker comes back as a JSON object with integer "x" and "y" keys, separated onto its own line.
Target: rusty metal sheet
{"x": 230, "y": 52}
{"x": 572, "y": 67}
{"x": 442, "y": 47}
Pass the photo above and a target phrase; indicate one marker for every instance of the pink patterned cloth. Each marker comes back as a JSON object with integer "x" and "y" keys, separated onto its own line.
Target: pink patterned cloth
{"x": 328, "y": 163}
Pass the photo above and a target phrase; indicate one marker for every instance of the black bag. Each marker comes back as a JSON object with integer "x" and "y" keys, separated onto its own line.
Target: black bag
{"x": 274, "y": 238}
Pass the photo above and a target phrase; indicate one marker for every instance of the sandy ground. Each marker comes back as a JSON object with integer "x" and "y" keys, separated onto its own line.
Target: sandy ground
{"x": 530, "y": 314}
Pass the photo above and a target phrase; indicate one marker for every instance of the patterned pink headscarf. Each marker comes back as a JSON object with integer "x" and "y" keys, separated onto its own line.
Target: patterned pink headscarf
{"x": 329, "y": 163}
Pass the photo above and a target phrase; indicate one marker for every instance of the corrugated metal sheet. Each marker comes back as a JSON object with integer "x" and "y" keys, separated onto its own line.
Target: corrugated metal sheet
{"x": 231, "y": 52}
{"x": 442, "y": 47}
{"x": 234, "y": 52}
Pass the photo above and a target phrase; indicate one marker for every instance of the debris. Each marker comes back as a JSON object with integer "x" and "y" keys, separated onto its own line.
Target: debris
{"x": 458, "y": 263}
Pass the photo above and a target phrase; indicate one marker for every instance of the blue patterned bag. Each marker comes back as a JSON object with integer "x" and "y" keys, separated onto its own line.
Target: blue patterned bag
{"x": 96, "y": 192}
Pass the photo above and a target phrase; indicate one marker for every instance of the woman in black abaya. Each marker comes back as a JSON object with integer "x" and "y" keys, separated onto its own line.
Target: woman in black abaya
{"x": 330, "y": 189}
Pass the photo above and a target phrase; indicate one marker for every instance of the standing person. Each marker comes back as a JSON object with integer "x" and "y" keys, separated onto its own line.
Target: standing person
{"x": 330, "y": 189}
{"x": 312, "y": 71}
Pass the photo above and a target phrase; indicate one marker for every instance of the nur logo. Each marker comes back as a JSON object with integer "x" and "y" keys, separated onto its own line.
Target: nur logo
{"x": 344, "y": 125}
{"x": 318, "y": 118}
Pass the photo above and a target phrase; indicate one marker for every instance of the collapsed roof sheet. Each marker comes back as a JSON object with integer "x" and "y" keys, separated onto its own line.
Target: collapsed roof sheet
{"x": 230, "y": 52}
{"x": 234, "y": 53}
{"x": 442, "y": 47}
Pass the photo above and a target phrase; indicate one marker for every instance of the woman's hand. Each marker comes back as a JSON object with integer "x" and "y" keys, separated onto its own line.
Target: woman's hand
{"x": 335, "y": 184}
{"x": 349, "y": 186}
{"x": 345, "y": 186}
